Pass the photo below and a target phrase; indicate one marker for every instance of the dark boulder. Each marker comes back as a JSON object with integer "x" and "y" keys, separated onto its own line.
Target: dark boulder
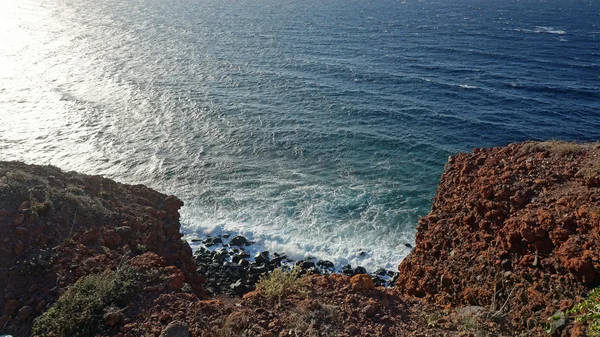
{"x": 262, "y": 258}
{"x": 360, "y": 270}
{"x": 325, "y": 264}
{"x": 238, "y": 241}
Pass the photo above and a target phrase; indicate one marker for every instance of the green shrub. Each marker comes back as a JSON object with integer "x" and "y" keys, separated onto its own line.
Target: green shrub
{"x": 79, "y": 311}
{"x": 588, "y": 312}
{"x": 280, "y": 283}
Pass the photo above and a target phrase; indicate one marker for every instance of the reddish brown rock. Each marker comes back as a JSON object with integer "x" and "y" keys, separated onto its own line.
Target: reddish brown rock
{"x": 81, "y": 236}
{"x": 113, "y": 317}
{"x": 111, "y": 238}
{"x": 173, "y": 204}
{"x": 176, "y": 279}
{"x": 527, "y": 214}
{"x": 91, "y": 236}
{"x": 148, "y": 260}
{"x": 362, "y": 282}
{"x": 578, "y": 330}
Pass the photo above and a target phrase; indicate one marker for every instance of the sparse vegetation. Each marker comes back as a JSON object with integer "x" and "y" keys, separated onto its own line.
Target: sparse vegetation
{"x": 41, "y": 208}
{"x": 559, "y": 147}
{"x": 79, "y": 311}
{"x": 588, "y": 313}
{"x": 235, "y": 326}
{"x": 141, "y": 248}
{"x": 280, "y": 283}
{"x": 432, "y": 320}
{"x": 315, "y": 323}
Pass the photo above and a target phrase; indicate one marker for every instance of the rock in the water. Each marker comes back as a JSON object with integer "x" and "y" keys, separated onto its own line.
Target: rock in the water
{"x": 220, "y": 254}
{"x": 305, "y": 264}
{"x": 277, "y": 259}
{"x": 211, "y": 241}
{"x": 347, "y": 270}
{"x": 380, "y": 271}
{"x": 325, "y": 264}
{"x": 176, "y": 329}
{"x": 360, "y": 270}
{"x": 262, "y": 257}
{"x": 378, "y": 281}
{"x": 238, "y": 241}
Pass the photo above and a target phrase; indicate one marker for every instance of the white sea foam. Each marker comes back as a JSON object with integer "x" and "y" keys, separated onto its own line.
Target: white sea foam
{"x": 368, "y": 249}
{"x": 542, "y": 30}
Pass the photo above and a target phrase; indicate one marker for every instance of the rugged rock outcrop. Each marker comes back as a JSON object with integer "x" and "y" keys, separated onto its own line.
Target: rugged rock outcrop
{"x": 56, "y": 227}
{"x": 514, "y": 229}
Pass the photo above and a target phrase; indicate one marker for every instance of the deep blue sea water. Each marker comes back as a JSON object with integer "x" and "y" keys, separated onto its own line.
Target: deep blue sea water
{"x": 317, "y": 128}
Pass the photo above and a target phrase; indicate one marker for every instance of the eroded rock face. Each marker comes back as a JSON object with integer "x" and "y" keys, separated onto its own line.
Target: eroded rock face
{"x": 518, "y": 225}
{"x": 57, "y": 227}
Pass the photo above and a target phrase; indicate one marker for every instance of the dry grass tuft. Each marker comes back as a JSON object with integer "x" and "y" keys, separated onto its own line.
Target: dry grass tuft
{"x": 315, "y": 323}
{"x": 558, "y": 147}
{"x": 280, "y": 283}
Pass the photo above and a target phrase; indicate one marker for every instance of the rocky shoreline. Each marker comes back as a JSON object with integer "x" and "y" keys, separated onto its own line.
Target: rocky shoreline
{"x": 508, "y": 249}
{"x": 231, "y": 270}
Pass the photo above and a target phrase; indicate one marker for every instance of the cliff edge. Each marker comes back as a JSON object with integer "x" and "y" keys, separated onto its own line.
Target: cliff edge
{"x": 509, "y": 248}
{"x": 515, "y": 230}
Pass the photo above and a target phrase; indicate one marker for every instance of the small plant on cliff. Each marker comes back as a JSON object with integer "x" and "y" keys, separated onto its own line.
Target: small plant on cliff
{"x": 588, "y": 312}
{"x": 41, "y": 208}
{"x": 79, "y": 311}
{"x": 280, "y": 283}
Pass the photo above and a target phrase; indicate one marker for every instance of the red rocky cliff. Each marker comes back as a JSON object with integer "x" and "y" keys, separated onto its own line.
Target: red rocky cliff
{"x": 56, "y": 227}
{"x": 515, "y": 230}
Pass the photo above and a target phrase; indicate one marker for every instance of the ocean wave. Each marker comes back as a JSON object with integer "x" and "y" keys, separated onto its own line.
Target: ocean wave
{"x": 542, "y": 30}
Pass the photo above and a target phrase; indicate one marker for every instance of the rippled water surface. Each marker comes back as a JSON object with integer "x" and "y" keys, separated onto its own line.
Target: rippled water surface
{"x": 318, "y": 128}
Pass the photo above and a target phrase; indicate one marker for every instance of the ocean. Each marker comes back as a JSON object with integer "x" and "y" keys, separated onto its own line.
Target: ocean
{"x": 317, "y": 128}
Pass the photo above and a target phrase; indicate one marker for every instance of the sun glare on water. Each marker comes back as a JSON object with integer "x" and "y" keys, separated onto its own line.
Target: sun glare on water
{"x": 27, "y": 97}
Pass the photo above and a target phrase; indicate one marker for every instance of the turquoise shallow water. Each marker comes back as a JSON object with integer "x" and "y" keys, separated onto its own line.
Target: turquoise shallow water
{"x": 318, "y": 128}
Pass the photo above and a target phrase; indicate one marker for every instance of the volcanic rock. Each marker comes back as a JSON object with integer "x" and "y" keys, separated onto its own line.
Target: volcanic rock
{"x": 176, "y": 329}
{"x": 510, "y": 227}
{"x": 362, "y": 282}
{"x": 238, "y": 241}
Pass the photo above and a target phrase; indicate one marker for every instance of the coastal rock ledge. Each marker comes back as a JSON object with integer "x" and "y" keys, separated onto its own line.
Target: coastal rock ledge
{"x": 513, "y": 229}
{"x": 511, "y": 244}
